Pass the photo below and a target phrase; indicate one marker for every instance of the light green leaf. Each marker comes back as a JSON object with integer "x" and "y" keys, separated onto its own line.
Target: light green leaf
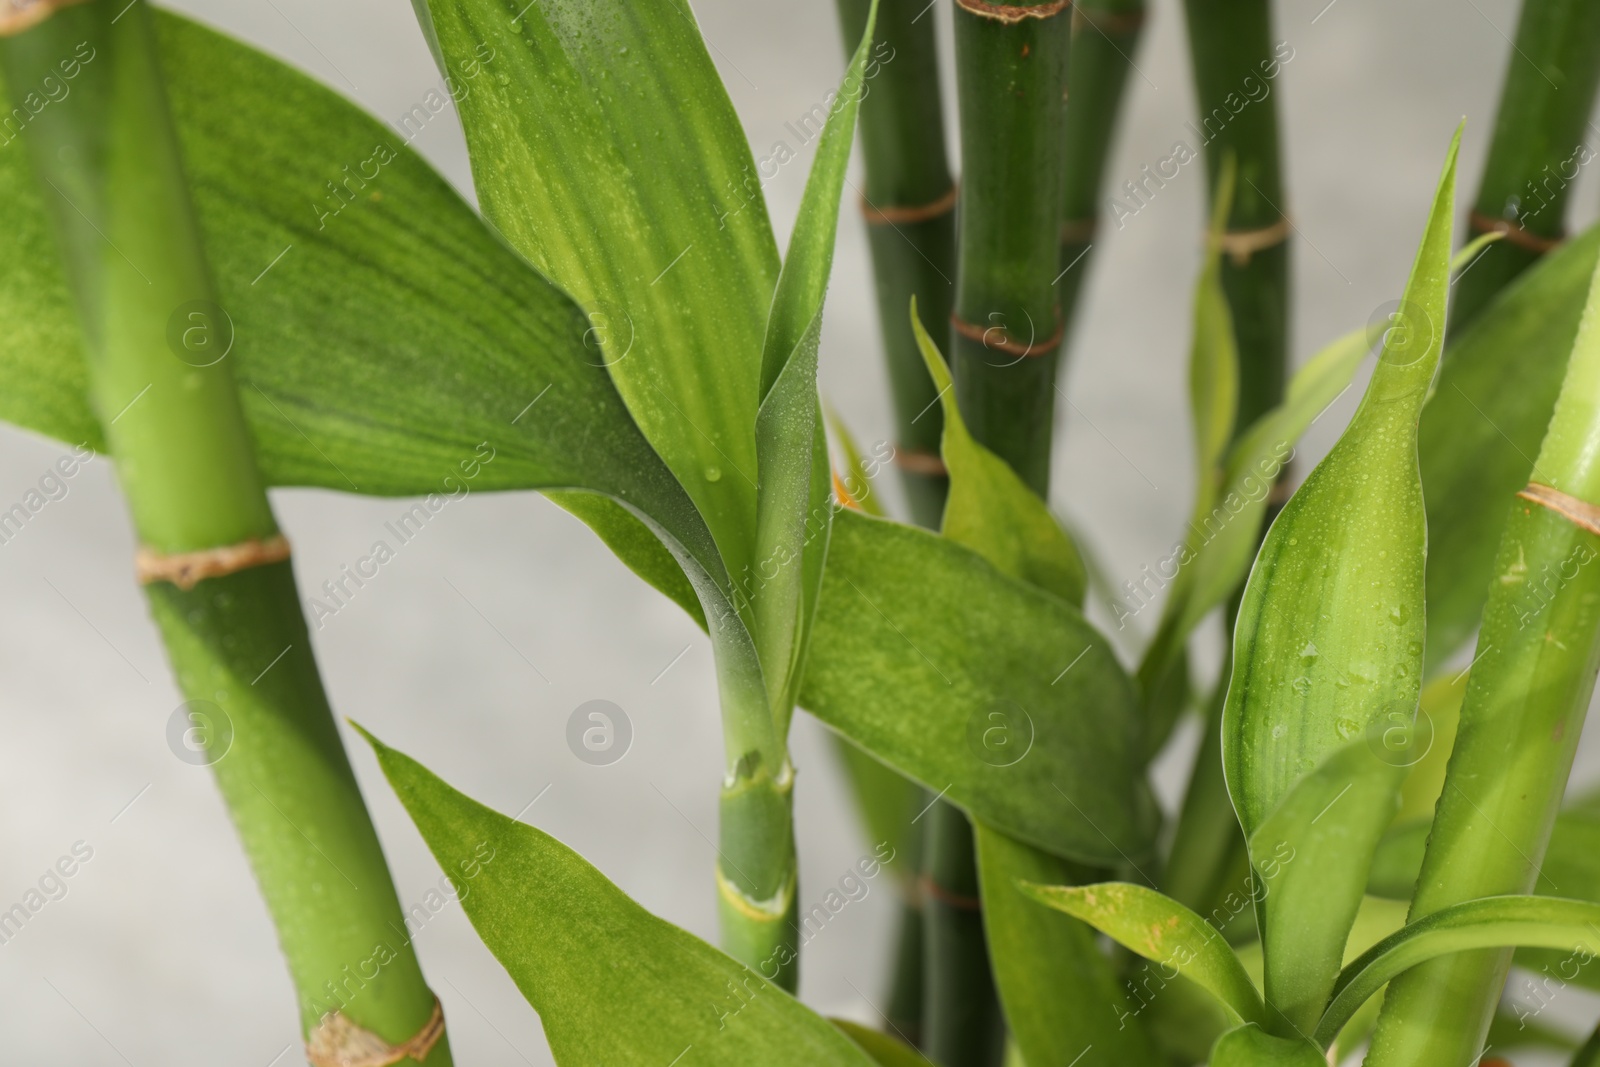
{"x": 1251, "y": 1046}
{"x": 854, "y": 486}
{"x": 794, "y": 496}
{"x": 886, "y": 1051}
{"x": 1213, "y": 354}
{"x": 1489, "y": 922}
{"x": 1164, "y": 932}
{"x": 919, "y": 643}
{"x": 1058, "y": 989}
{"x": 1484, "y": 425}
{"x": 612, "y": 983}
{"x": 1328, "y": 644}
{"x": 605, "y": 150}
{"x": 1311, "y": 857}
{"x": 991, "y": 510}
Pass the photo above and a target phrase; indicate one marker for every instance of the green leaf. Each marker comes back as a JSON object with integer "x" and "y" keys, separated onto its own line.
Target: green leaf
{"x": 1328, "y": 644}
{"x": 854, "y": 487}
{"x": 1311, "y": 857}
{"x": 1214, "y": 354}
{"x": 991, "y": 510}
{"x": 919, "y": 642}
{"x": 1489, "y": 922}
{"x": 605, "y": 150}
{"x": 1164, "y": 932}
{"x": 794, "y": 498}
{"x": 1251, "y": 1046}
{"x": 884, "y": 1050}
{"x": 1484, "y": 425}
{"x": 611, "y": 983}
{"x": 1058, "y": 989}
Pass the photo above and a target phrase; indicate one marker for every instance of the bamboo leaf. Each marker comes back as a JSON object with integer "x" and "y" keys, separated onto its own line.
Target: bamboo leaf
{"x": 1214, "y": 354}
{"x": 1251, "y": 1046}
{"x": 1328, "y": 644}
{"x": 1164, "y": 932}
{"x": 1489, "y": 922}
{"x": 989, "y": 508}
{"x": 919, "y": 642}
{"x": 1484, "y": 424}
{"x": 793, "y": 501}
{"x": 1311, "y": 857}
{"x": 886, "y": 1051}
{"x": 648, "y": 214}
{"x": 611, "y": 982}
{"x": 1044, "y": 960}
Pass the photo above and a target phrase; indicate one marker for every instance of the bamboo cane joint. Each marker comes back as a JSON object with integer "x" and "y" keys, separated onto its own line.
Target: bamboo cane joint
{"x": 186, "y": 569}
{"x": 338, "y": 1042}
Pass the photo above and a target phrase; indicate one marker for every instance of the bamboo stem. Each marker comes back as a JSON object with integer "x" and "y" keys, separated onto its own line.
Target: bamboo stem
{"x": 109, "y": 165}
{"x": 908, "y": 205}
{"x": 1236, "y": 63}
{"x": 1524, "y": 709}
{"x": 1005, "y": 338}
{"x": 1539, "y": 146}
{"x": 1105, "y": 36}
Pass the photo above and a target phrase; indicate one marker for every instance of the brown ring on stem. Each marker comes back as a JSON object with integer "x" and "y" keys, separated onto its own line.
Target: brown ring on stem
{"x": 1580, "y": 513}
{"x": 1242, "y": 244}
{"x": 934, "y": 891}
{"x": 1079, "y": 231}
{"x": 915, "y": 461}
{"x": 186, "y": 569}
{"x": 889, "y": 216}
{"x": 338, "y": 1042}
{"x": 1107, "y": 22}
{"x": 1513, "y": 233}
{"x": 19, "y": 15}
{"x": 1013, "y": 13}
{"x": 983, "y": 335}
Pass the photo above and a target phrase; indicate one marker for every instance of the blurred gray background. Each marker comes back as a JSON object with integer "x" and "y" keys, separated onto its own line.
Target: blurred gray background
{"x": 161, "y": 953}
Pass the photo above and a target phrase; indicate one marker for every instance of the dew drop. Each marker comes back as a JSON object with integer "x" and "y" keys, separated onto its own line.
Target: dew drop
{"x": 1302, "y": 685}
{"x": 1278, "y": 731}
{"x": 1347, "y": 728}
{"x": 713, "y": 474}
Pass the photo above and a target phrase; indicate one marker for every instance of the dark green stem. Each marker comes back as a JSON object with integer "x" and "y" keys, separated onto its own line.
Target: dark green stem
{"x": 1538, "y": 149}
{"x": 1236, "y": 68}
{"x": 1105, "y": 36}
{"x": 1005, "y": 338}
{"x": 964, "y": 1026}
{"x": 1007, "y": 330}
{"x": 109, "y": 165}
{"x": 908, "y": 204}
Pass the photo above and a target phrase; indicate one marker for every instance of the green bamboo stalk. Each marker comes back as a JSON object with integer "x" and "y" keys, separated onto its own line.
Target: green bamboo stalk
{"x": 1105, "y": 35}
{"x": 1524, "y": 709}
{"x": 1538, "y": 147}
{"x": 908, "y": 204}
{"x": 108, "y": 160}
{"x": 1236, "y": 63}
{"x": 1011, "y": 73}
{"x": 1011, "y": 66}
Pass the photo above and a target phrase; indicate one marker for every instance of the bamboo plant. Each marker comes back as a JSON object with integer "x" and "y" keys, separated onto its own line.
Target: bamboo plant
{"x": 1371, "y": 836}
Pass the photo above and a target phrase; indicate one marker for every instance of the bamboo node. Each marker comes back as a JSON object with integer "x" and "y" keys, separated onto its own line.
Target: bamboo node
{"x": 1014, "y": 13}
{"x": 187, "y": 569}
{"x": 1580, "y": 513}
{"x": 19, "y": 15}
{"x": 764, "y": 911}
{"x": 932, "y": 890}
{"x": 1108, "y": 23}
{"x": 1242, "y": 244}
{"x": 338, "y": 1042}
{"x": 997, "y": 339}
{"x": 1513, "y": 233}
{"x": 892, "y": 214}
{"x": 1079, "y": 231}
{"x": 916, "y": 461}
